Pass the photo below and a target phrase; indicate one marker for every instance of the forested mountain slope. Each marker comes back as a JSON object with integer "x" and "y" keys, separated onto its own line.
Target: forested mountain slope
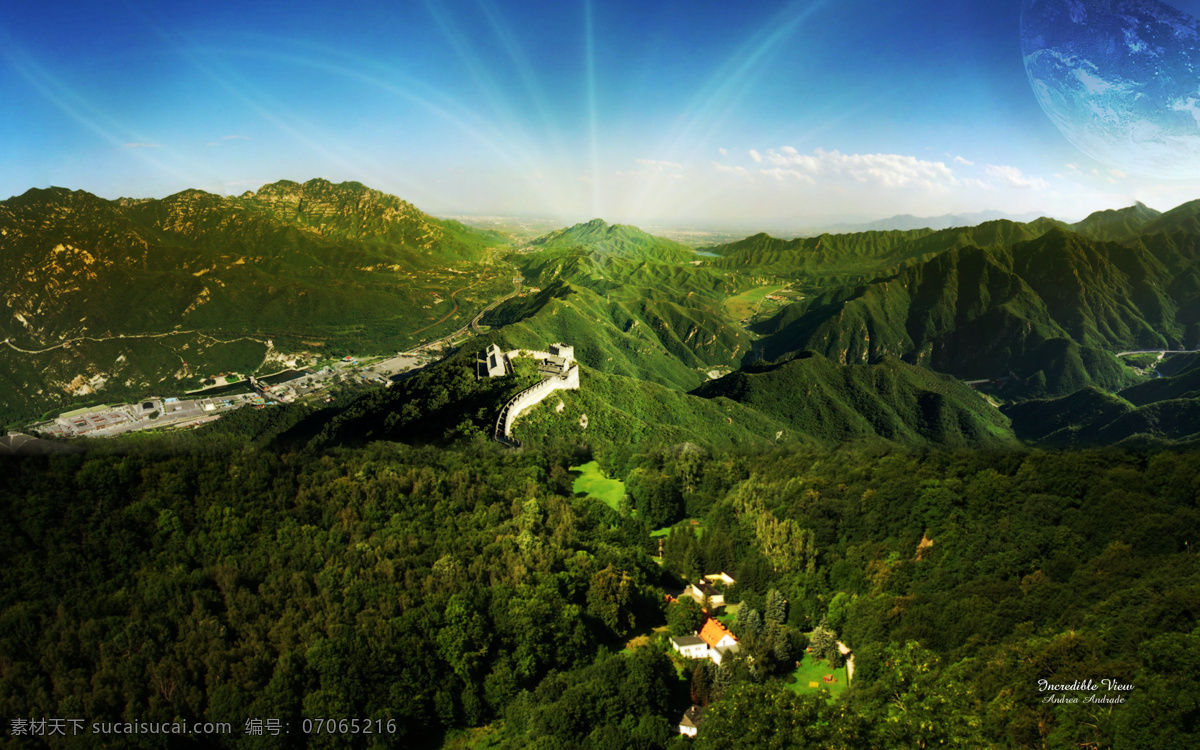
{"x": 1162, "y": 411}
{"x": 312, "y": 257}
{"x": 1049, "y": 311}
{"x": 809, "y": 401}
{"x": 889, "y": 399}
{"x": 632, "y": 304}
{"x": 621, "y": 240}
{"x": 1116, "y": 224}
{"x": 312, "y": 268}
{"x": 847, "y": 258}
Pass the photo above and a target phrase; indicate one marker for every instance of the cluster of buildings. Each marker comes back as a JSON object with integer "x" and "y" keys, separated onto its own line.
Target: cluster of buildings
{"x": 713, "y": 641}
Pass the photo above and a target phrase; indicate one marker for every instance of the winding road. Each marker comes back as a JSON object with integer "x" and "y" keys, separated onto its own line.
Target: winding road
{"x": 1158, "y": 351}
{"x": 473, "y": 326}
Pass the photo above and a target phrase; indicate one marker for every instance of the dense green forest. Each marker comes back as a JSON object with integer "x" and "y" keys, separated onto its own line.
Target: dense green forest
{"x": 445, "y": 589}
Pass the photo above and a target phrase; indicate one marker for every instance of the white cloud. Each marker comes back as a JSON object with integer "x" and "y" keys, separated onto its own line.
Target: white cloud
{"x": 142, "y": 145}
{"x": 961, "y": 160}
{"x": 1118, "y": 174}
{"x": 1013, "y": 177}
{"x": 757, "y": 157}
{"x": 723, "y": 151}
{"x": 659, "y": 165}
{"x": 886, "y": 170}
{"x": 740, "y": 171}
{"x": 782, "y": 174}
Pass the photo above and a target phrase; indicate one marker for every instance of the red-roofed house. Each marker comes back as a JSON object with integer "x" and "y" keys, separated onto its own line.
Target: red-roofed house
{"x": 712, "y": 642}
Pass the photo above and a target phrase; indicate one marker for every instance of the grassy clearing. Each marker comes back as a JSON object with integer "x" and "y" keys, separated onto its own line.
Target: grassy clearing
{"x": 696, "y": 524}
{"x": 644, "y": 637}
{"x": 810, "y": 678}
{"x": 478, "y": 738}
{"x": 730, "y": 615}
{"x": 591, "y": 481}
{"x": 747, "y": 303}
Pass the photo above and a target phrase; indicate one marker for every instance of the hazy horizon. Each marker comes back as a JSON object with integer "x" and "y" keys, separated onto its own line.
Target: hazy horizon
{"x": 684, "y": 114}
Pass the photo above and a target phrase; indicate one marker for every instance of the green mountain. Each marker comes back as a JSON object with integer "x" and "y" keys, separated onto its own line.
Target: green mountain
{"x": 1136, "y": 417}
{"x": 649, "y": 336}
{"x": 890, "y": 399}
{"x": 1117, "y": 224}
{"x": 1183, "y": 219}
{"x": 632, "y": 304}
{"x": 312, "y": 268}
{"x": 620, "y": 240}
{"x": 1047, "y": 311}
{"x": 850, "y": 258}
{"x": 292, "y": 257}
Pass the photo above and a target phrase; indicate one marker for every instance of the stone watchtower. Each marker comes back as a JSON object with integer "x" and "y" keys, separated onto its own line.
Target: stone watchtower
{"x": 492, "y": 363}
{"x": 564, "y": 351}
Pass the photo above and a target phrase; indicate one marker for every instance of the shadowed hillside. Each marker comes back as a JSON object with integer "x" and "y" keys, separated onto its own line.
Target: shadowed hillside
{"x": 1047, "y": 310}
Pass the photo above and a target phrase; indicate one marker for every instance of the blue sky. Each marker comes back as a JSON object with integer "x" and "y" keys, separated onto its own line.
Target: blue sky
{"x": 699, "y": 112}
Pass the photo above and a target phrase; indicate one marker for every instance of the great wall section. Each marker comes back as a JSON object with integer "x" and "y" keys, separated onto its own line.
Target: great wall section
{"x": 558, "y": 367}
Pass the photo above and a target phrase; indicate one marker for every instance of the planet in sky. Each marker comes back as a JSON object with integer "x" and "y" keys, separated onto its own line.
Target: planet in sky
{"x": 1119, "y": 79}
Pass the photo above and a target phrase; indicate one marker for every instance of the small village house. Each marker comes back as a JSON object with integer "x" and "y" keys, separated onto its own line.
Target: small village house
{"x": 712, "y": 642}
{"x": 692, "y": 718}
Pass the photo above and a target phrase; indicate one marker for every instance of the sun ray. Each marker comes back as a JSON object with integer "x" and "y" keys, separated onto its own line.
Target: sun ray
{"x": 715, "y": 102}
{"x": 589, "y": 41}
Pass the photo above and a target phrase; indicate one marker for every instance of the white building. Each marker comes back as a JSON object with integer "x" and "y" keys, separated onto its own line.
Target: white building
{"x": 712, "y": 642}
{"x": 691, "y": 721}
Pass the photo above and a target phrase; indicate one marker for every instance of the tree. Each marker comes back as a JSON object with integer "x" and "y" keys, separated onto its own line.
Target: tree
{"x": 776, "y": 607}
{"x": 769, "y": 717}
{"x": 662, "y": 504}
{"x": 823, "y": 642}
{"x": 684, "y": 617}
{"x": 750, "y": 622}
{"x": 719, "y": 552}
{"x": 701, "y": 685}
{"x": 722, "y": 679}
{"x": 777, "y": 645}
{"x": 754, "y": 574}
{"x": 925, "y": 707}
{"x": 610, "y": 599}
{"x": 464, "y": 637}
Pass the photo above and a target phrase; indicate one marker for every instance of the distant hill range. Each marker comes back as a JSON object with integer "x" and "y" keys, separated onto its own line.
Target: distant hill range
{"x": 906, "y": 222}
{"x": 833, "y": 258}
{"x": 1163, "y": 410}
